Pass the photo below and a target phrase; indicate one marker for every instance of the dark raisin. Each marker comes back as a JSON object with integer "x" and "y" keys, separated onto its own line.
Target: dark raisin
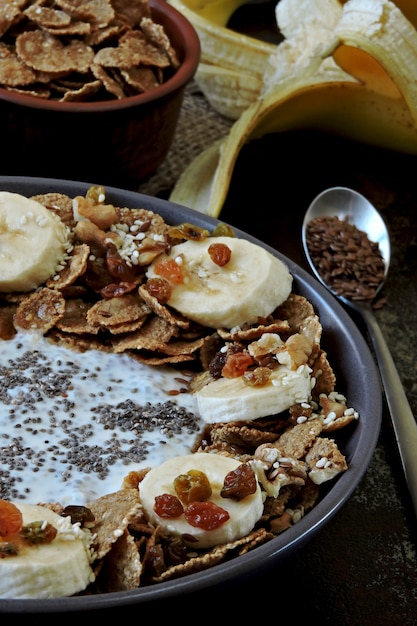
{"x": 239, "y": 483}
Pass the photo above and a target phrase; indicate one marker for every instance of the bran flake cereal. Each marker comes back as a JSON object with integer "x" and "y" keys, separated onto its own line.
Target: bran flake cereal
{"x": 83, "y": 51}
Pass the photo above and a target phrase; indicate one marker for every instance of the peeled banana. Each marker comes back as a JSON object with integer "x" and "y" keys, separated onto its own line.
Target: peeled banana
{"x": 344, "y": 67}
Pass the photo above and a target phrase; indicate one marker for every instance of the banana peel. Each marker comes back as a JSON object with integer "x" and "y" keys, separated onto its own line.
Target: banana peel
{"x": 362, "y": 87}
{"x": 407, "y": 7}
{"x": 217, "y": 82}
{"x": 232, "y": 66}
{"x": 219, "y": 44}
{"x": 381, "y": 54}
{"x": 348, "y": 109}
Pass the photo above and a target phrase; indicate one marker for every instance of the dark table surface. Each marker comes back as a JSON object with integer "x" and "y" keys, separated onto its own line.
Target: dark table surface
{"x": 361, "y": 568}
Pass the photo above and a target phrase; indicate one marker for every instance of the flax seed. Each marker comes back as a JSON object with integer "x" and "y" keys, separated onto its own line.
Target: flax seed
{"x": 349, "y": 263}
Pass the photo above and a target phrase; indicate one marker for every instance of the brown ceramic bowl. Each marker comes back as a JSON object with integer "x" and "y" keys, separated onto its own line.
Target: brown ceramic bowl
{"x": 119, "y": 142}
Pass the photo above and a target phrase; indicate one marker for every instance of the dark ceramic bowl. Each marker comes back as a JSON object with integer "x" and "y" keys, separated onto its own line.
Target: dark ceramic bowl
{"x": 357, "y": 377}
{"x": 118, "y": 142}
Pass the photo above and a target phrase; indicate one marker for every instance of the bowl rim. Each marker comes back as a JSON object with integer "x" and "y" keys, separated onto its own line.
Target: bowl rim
{"x": 191, "y": 57}
{"x": 276, "y": 551}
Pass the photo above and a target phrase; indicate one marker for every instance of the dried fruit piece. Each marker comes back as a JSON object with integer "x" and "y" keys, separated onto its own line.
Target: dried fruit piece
{"x": 236, "y": 364}
{"x": 38, "y": 532}
{"x": 11, "y": 519}
{"x": 194, "y": 486}
{"x": 220, "y": 254}
{"x": 257, "y": 377}
{"x": 170, "y": 270}
{"x": 167, "y": 505}
{"x": 160, "y": 289}
{"x": 206, "y": 515}
{"x": 239, "y": 483}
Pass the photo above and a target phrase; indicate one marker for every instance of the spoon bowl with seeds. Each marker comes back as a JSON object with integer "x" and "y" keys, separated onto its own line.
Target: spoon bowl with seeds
{"x": 347, "y": 245}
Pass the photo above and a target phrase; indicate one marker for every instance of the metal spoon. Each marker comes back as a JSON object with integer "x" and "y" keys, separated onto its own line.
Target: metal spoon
{"x": 344, "y": 202}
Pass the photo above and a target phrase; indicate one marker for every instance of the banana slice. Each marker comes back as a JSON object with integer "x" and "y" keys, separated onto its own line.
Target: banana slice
{"x": 50, "y": 570}
{"x": 33, "y": 243}
{"x": 232, "y": 400}
{"x": 243, "y": 514}
{"x": 251, "y": 284}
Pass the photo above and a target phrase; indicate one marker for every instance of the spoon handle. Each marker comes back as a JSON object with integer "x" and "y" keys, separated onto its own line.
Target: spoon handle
{"x": 404, "y": 423}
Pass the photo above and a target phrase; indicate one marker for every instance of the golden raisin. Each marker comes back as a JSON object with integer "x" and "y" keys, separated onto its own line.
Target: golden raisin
{"x": 187, "y": 231}
{"x": 194, "y": 486}
{"x": 160, "y": 289}
{"x": 223, "y": 230}
{"x": 96, "y": 193}
{"x": 219, "y": 253}
{"x": 11, "y": 519}
{"x": 257, "y": 377}
{"x": 38, "y": 532}
{"x": 236, "y": 364}
{"x": 170, "y": 270}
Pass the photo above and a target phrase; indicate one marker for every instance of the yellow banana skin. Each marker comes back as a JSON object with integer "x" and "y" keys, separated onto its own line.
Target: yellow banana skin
{"x": 362, "y": 87}
{"x": 232, "y": 65}
{"x": 216, "y": 11}
{"x": 220, "y": 45}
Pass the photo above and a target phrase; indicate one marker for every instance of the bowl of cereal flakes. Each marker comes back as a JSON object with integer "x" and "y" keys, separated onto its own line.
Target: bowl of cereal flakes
{"x": 92, "y": 90}
{"x": 160, "y": 436}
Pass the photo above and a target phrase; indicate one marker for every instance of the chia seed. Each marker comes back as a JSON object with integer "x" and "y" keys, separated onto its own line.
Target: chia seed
{"x": 53, "y": 424}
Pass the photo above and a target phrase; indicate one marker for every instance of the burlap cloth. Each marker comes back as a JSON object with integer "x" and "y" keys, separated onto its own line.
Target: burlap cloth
{"x": 199, "y": 126}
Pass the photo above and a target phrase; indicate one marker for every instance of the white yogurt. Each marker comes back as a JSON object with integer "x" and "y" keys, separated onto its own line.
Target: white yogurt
{"x": 73, "y": 425}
